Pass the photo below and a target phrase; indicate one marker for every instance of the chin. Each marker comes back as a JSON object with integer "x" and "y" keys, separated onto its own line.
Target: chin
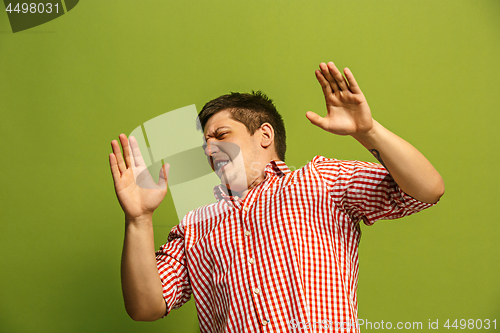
{"x": 234, "y": 180}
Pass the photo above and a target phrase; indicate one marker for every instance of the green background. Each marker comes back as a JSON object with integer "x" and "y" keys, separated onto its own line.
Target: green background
{"x": 429, "y": 70}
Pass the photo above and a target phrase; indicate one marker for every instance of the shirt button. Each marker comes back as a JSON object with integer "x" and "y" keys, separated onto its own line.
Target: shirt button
{"x": 250, "y": 261}
{"x": 247, "y": 232}
{"x": 246, "y": 209}
{"x": 265, "y": 322}
{"x": 256, "y": 291}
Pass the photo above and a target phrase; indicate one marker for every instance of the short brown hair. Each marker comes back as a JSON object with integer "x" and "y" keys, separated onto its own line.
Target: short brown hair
{"x": 252, "y": 110}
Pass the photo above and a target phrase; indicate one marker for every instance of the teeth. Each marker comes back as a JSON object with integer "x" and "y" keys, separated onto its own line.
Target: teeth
{"x": 220, "y": 164}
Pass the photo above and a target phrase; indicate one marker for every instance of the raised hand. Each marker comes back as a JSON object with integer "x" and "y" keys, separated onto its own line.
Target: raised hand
{"x": 136, "y": 190}
{"x": 348, "y": 112}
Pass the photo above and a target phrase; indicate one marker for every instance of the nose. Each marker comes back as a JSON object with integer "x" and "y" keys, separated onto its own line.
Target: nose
{"x": 211, "y": 149}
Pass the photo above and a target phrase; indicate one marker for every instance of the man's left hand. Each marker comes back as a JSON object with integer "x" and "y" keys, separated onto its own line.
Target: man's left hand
{"x": 348, "y": 110}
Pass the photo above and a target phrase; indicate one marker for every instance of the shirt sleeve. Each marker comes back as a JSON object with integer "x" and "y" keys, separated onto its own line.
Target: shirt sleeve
{"x": 171, "y": 263}
{"x": 365, "y": 190}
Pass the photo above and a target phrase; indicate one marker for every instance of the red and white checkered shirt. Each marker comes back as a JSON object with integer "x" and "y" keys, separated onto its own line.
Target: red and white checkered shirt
{"x": 286, "y": 257}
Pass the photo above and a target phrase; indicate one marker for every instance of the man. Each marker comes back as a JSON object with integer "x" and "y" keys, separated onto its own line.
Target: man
{"x": 278, "y": 250}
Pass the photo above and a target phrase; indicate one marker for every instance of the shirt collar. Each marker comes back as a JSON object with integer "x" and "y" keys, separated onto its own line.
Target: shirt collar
{"x": 274, "y": 168}
{"x": 277, "y": 168}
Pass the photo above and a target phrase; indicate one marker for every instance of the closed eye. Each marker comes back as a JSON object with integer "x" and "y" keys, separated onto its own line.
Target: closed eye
{"x": 218, "y": 137}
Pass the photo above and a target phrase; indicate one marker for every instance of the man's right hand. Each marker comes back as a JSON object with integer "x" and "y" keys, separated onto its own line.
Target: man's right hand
{"x": 136, "y": 190}
{"x": 139, "y": 196}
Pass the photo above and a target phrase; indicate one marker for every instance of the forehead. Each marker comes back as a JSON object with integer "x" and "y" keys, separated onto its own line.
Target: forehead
{"x": 220, "y": 119}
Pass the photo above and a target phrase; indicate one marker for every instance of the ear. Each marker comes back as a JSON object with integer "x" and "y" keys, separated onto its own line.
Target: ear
{"x": 266, "y": 135}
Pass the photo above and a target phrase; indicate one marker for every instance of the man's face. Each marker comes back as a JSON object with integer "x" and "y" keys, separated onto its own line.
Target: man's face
{"x": 232, "y": 152}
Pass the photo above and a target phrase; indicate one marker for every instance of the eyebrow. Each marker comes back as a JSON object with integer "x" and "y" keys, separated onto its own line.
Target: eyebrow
{"x": 216, "y": 131}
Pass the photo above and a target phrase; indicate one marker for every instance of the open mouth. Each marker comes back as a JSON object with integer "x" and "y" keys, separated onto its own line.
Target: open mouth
{"x": 219, "y": 166}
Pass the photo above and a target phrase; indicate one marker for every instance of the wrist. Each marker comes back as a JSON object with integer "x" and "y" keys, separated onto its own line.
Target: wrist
{"x": 146, "y": 220}
{"x": 369, "y": 138}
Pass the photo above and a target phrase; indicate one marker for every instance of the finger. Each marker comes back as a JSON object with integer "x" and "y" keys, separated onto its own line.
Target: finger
{"x": 339, "y": 78}
{"x": 118, "y": 155}
{"x": 353, "y": 85}
{"x": 132, "y": 159}
{"x": 126, "y": 150}
{"x": 325, "y": 85}
{"x": 115, "y": 172}
{"x": 163, "y": 180}
{"x": 136, "y": 152}
{"x": 331, "y": 80}
{"x": 317, "y": 120}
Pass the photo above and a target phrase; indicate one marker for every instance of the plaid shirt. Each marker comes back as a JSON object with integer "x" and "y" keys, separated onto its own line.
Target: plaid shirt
{"x": 286, "y": 257}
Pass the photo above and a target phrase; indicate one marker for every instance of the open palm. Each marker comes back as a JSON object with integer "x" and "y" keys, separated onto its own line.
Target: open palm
{"x": 348, "y": 112}
{"x": 136, "y": 190}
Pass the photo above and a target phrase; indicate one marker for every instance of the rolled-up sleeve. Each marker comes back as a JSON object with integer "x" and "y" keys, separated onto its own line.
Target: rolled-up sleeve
{"x": 171, "y": 263}
{"x": 365, "y": 190}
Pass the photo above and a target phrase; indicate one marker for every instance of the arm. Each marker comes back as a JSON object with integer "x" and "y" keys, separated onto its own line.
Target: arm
{"x": 141, "y": 284}
{"x": 366, "y": 191}
{"x": 349, "y": 114}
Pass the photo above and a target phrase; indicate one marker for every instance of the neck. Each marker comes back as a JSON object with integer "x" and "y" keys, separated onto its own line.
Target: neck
{"x": 251, "y": 185}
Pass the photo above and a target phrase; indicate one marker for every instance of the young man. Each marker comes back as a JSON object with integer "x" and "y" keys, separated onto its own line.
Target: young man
{"x": 278, "y": 250}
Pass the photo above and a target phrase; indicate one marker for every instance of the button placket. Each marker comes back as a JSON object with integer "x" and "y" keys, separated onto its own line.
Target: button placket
{"x": 249, "y": 250}
{"x": 253, "y": 281}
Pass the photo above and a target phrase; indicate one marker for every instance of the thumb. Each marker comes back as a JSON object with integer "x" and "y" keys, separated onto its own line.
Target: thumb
{"x": 315, "y": 119}
{"x": 163, "y": 180}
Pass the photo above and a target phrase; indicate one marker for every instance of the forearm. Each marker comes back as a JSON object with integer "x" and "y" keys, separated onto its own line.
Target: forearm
{"x": 413, "y": 173}
{"x": 141, "y": 284}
